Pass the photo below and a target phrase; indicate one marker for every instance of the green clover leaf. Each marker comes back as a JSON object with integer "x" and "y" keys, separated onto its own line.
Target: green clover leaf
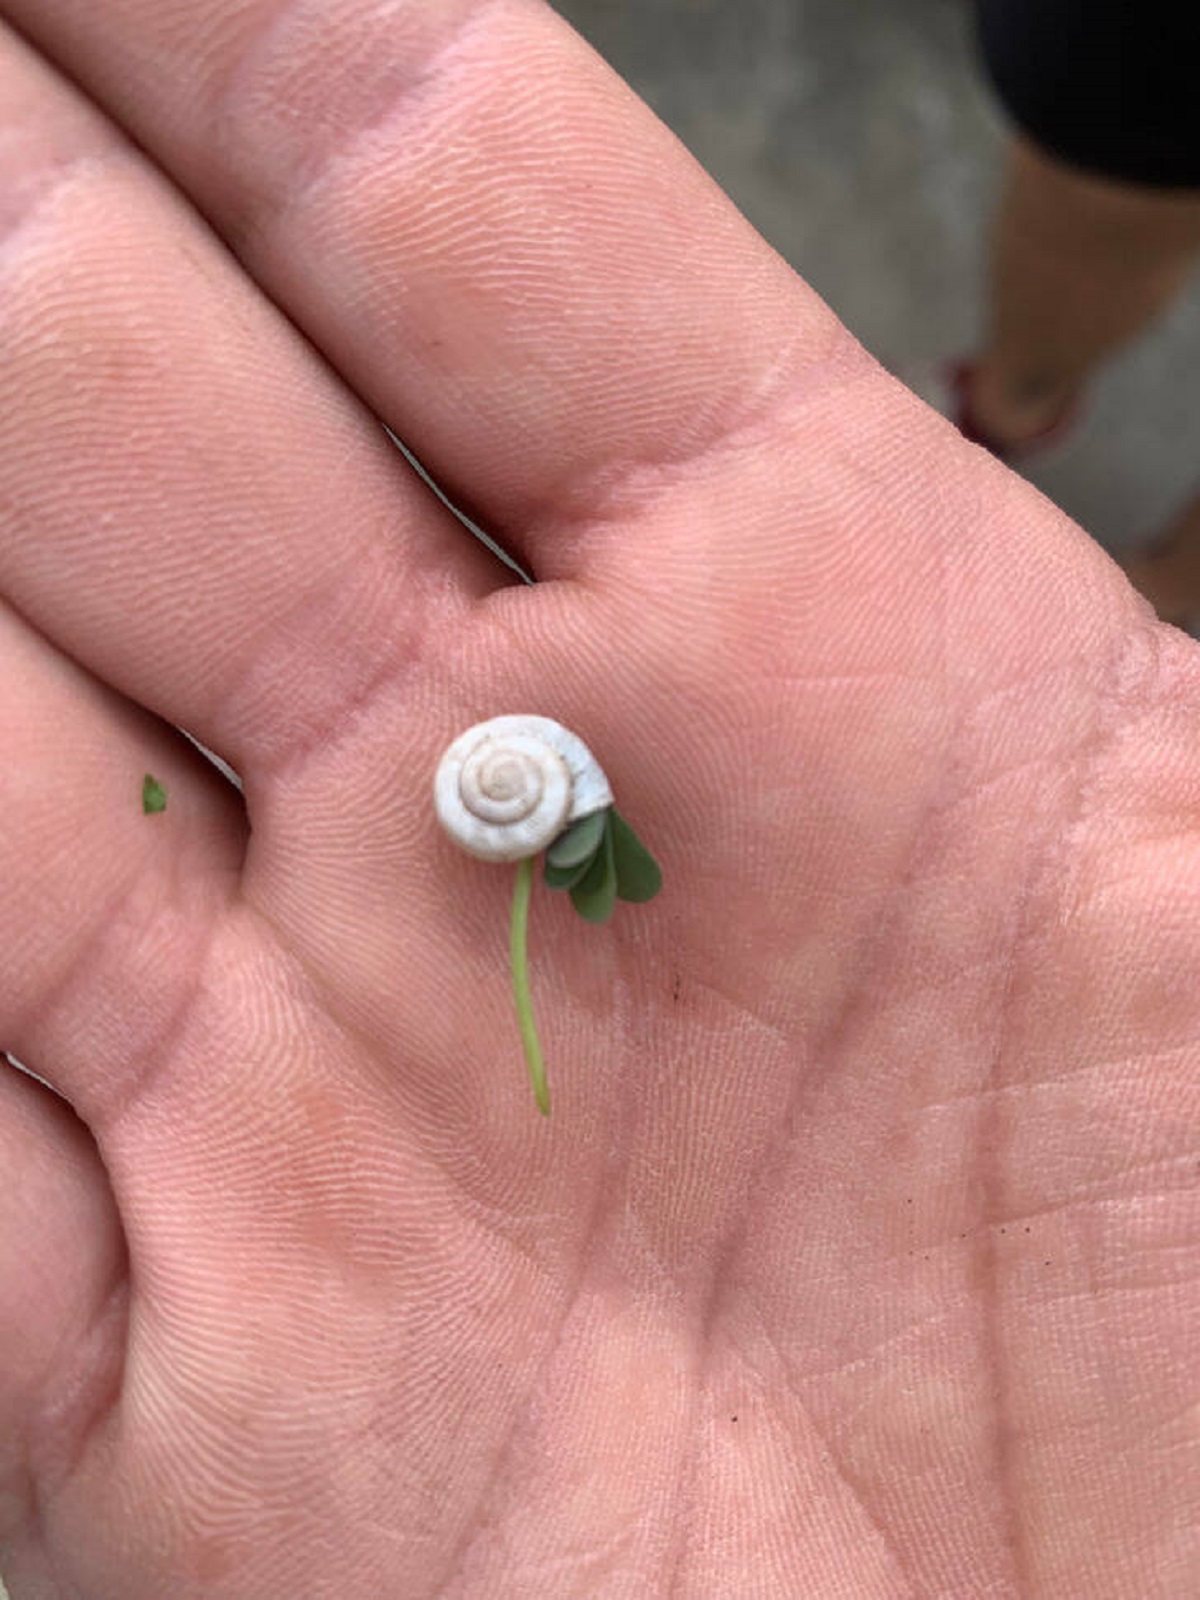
{"x": 639, "y": 876}
{"x": 579, "y": 843}
{"x": 595, "y": 895}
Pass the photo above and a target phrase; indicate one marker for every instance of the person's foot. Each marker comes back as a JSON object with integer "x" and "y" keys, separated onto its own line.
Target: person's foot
{"x": 961, "y": 391}
{"x": 1010, "y": 425}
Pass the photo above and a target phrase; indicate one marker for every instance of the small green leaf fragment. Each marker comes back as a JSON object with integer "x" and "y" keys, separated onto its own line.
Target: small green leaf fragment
{"x": 595, "y": 895}
{"x": 639, "y": 876}
{"x": 576, "y": 846}
{"x": 154, "y": 796}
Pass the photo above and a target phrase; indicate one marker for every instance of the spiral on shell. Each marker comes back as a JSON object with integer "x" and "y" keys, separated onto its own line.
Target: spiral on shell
{"x": 506, "y": 788}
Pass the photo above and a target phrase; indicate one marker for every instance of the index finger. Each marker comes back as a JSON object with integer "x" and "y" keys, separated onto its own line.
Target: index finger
{"x": 479, "y": 224}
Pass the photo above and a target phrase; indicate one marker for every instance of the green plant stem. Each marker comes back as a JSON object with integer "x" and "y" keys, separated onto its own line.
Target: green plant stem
{"x": 518, "y": 950}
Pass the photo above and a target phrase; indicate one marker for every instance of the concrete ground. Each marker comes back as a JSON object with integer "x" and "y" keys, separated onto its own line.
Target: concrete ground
{"x": 860, "y": 139}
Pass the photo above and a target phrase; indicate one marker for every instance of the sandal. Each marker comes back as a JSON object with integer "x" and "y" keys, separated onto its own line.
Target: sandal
{"x": 946, "y": 386}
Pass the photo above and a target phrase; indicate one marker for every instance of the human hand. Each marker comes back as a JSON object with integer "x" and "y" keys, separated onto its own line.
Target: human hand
{"x": 858, "y": 1255}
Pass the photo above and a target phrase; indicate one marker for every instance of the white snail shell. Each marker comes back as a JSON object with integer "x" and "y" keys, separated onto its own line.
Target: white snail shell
{"x": 507, "y": 788}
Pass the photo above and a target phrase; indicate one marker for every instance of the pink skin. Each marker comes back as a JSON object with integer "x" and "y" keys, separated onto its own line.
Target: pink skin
{"x": 859, "y": 1255}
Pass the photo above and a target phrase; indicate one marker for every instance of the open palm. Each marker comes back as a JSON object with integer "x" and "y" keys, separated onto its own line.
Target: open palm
{"x": 857, "y": 1256}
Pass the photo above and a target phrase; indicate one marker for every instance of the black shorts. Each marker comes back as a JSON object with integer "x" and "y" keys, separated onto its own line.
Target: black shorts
{"x": 1111, "y": 86}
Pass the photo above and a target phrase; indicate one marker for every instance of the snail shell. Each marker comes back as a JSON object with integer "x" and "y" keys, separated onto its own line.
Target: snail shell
{"x": 507, "y": 788}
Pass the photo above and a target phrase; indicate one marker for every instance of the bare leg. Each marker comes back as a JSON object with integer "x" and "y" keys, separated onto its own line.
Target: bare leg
{"x": 1079, "y": 265}
{"x": 1169, "y": 576}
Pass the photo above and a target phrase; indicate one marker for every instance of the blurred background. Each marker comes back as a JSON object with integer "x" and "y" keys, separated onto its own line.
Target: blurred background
{"x": 861, "y": 139}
